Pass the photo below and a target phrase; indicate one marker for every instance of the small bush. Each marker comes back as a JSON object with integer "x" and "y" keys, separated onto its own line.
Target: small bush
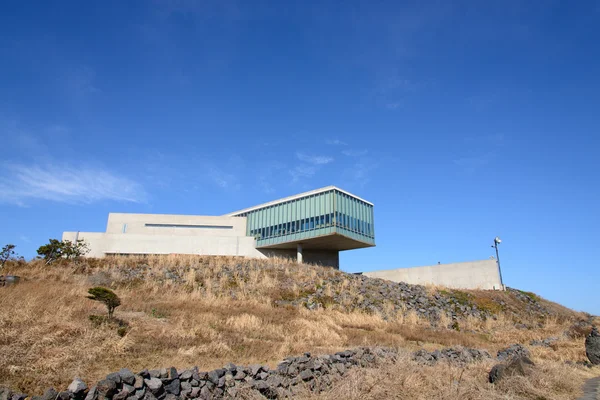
{"x": 7, "y": 253}
{"x": 56, "y": 249}
{"x": 578, "y": 330}
{"x": 121, "y": 326}
{"x": 158, "y": 314}
{"x": 488, "y": 305}
{"x": 325, "y": 301}
{"x": 531, "y": 295}
{"x": 106, "y": 296}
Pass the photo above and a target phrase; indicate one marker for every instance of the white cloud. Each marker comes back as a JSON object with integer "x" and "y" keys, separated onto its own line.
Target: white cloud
{"x": 361, "y": 172}
{"x": 303, "y": 171}
{"x": 223, "y": 179}
{"x": 486, "y": 140}
{"x": 66, "y": 184}
{"x": 473, "y": 163}
{"x": 354, "y": 153}
{"x": 25, "y": 238}
{"x": 393, "y": 106}
{"x": 315, "y": 160}
{"x": 396, "y": 82}
{"x": 266, "y": 186}
{"x": 80, "y": 81}
{"x": 336, "y": 142}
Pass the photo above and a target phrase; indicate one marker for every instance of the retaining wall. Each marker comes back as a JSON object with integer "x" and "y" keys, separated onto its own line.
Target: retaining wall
{"x": 483, "y": 274}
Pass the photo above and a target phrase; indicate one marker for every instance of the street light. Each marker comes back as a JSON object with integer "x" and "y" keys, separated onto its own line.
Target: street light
{"x": 497, "y": 241}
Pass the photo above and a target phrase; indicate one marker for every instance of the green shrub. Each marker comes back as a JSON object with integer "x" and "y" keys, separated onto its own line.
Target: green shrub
{"x": 7, "y": 253}
{"x": 158, "y": 314}
{"x": 106, "y": 296}
{"x": 56, "y": 249}
{"x": 121, "y": 326}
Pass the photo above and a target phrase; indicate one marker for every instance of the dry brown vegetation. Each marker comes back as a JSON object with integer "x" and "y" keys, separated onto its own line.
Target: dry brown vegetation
{"x": 207, "y": 318}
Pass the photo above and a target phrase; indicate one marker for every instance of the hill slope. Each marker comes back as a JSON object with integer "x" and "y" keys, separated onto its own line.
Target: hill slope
{"x": 183, "y": 311}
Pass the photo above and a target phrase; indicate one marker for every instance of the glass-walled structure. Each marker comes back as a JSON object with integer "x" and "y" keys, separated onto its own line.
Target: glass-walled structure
{"x": 329, "y": 212}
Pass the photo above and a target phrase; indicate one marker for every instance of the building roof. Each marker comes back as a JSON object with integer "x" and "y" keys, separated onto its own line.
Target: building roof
{"x": 294, "y": 197}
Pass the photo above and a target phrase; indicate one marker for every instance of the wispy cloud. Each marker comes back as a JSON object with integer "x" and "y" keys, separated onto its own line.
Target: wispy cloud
{"x": 303, "y": 171}
{"x": 361, "y": 171}
{"x": 473, "y": 163}
{"x": 355, "y": 153}
{"x": 20, "y": 183}
{"x": 393, "y": 106}
{"x": 270, "y": 175}
{"x": 485, "y": 140}
{"x": 482, "y": 149}
{"x": 314, "y": 160}
{"x": 224, "y": 179}
{"x": 266, "y": 185}
{"x": 336, "y": 142}
{"x": 397, "y": 83}
{"x": 80, "y": 81}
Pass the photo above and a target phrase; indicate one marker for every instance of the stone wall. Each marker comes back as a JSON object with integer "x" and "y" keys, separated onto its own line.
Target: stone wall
{"x": 292, "y": 376}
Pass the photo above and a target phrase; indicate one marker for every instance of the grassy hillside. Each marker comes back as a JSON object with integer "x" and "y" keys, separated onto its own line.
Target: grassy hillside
{"x": 183, "y": 311}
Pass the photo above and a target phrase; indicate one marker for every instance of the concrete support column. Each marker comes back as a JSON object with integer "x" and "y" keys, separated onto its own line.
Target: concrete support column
{"x": 299, "y": 259}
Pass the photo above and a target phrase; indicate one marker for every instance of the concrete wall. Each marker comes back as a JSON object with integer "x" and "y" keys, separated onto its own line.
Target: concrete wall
{"x": 136, "y": 224}
{"x": 128, "y": 234}
{"x": 95, "y": 241}
{"x": 482, "y": 274}
{"x": 185, "y": 234}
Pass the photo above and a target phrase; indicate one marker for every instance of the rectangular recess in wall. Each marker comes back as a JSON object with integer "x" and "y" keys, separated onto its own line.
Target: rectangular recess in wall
{"x": 188, "y": 226}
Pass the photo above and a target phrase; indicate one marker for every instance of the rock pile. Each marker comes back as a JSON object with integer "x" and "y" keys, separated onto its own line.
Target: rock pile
{"x": 531, "y": 304}
{"x": 518, "y": 365}
{"x": 592, "y": 346}
{"x": 513, "y": 351}
{"x": 544, "y": 342}
{"x": 455, "y": 355}
{"x": 291, "y": 376}
{"x": 516, "y": 362}
{"x": 377, "y": 295}
{"x": 6, "y": 280}
{"x": 327, "y": 288}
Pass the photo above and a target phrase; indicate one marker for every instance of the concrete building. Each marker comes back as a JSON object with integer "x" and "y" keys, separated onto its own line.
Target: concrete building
{"x": 312, "y": 227}
{"x": 483, "y": 274}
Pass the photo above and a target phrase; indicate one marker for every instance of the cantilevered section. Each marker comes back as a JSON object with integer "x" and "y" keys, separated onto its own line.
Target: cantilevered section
{"x": 294, "y": 197}
{"x": 324, "y": 219}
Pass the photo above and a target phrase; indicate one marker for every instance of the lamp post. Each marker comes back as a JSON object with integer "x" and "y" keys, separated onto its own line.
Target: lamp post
{"x": 497, "y": 241}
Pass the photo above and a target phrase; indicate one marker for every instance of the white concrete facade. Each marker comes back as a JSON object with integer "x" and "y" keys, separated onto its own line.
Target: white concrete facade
{"x": 482, "y": 274}
{"x": 166, "y": 234}
{"x": 317, "y": 225}
{"x": 187, "y": 234}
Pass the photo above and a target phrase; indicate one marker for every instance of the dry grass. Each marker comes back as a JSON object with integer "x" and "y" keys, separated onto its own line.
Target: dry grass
{"x": 211, "y": 318}
{"x": 408, "y": 380}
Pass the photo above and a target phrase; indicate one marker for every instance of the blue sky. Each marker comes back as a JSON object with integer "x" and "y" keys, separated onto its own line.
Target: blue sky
{"x": 460, "y": 120}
